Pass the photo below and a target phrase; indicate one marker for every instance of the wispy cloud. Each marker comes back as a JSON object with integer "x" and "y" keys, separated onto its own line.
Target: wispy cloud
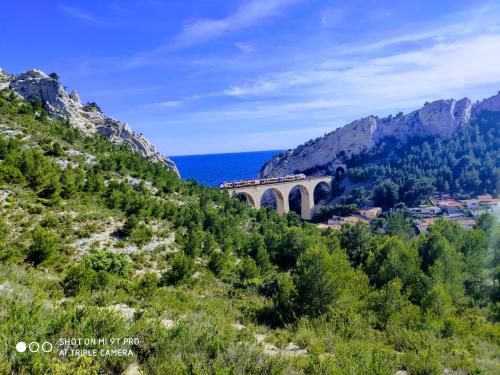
{"x": 332, "y": 16}
{"x": 433, "y": 63}
{"x": 171, "y": 103}
{"x": 249, "y": 14}
{"x": 333, "y": 91}
{"x": 81, "y": 15}
{"x": 245, "y": 47}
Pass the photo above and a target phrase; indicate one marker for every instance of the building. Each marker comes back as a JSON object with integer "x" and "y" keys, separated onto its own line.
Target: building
{"x": 466, "y": 222}
{"x": 425, "y": 210}
{"x": 451, "y": 207}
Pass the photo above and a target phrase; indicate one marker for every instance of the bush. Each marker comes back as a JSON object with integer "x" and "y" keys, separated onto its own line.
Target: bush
{"x": 218, "y": 262}
{"x": 44, "y": 246}
{"x": 248, "y": 269}
{"x": 183, "y": 268}
{"x": 146, "y": 285}
{"x": 11, "y": 175}
{"x": 139, "y": 233}
{"x": 79, "y": 278}
{"x": 49, "y": 221}
{"x": 117, "y": 264}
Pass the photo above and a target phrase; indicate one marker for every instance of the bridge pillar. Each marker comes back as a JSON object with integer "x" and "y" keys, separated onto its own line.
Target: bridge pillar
{"x": 306, "y": 203}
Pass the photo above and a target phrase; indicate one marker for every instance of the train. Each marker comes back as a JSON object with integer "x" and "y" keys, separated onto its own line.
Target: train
{"x": 262, "y": 181}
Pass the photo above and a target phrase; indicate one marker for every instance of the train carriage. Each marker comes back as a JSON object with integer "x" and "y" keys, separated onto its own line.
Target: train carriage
{"x": 262, "y": 181}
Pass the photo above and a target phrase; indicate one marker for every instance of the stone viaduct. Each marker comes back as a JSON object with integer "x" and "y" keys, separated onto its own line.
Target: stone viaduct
{"x": 282, "y": 191}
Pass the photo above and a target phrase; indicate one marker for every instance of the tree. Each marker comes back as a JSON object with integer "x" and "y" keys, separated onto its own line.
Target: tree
{"x": 94, "y": 183}
{"x": 283, "y": 311}
{"x": 314, "y": 281}
{"x": 68, "y": 183}
{"x": 54, "y": 76}
{"x": 392, "y": 306}
{"x": 326, "y": 281}
{"x": 486, "y": 222}
{"x": 398, "y": 225}
{"x": 248, "y": 269}
{"x": 357, "y": 241}
{"x": 473, "y": 246}
{"x": 293, "y": 243}
{"x": 193, "y": 242}
{"x": 218, "y": 262}
{"x": 386, "y": 194}
{"x": 393, "y": 259}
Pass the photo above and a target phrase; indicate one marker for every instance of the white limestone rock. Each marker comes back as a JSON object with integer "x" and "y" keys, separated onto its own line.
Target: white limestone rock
{"x": 439, "y": 118}
{"x": 88, "y": 118}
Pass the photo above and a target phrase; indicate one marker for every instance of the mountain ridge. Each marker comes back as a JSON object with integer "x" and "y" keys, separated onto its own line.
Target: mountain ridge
{"x": 35, "y": 84}
{"x": 439, "y": 118}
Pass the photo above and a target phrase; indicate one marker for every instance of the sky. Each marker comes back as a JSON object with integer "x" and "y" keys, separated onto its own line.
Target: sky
{"x": 214, "y": 76}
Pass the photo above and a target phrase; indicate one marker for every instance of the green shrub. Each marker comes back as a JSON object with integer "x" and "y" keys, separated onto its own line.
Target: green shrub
{"x": 101, "y": 260}
{"x": 219, "y": 262}
{"x": 11, "y": 175}
{"x": 248, "y": 269}
{"x": 182, "y": 269}
{"x": 79, "y": 278}
{"x": 43, "y": 247}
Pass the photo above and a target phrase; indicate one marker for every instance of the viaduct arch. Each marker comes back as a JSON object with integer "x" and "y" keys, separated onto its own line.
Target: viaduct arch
{"x": 282, "y": 191}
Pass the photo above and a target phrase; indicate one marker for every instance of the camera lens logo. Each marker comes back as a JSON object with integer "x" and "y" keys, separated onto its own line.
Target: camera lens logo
{"x": 34, "y": 347}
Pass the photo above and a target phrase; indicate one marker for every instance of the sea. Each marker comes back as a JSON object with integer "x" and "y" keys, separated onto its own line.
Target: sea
{"x": 212, "y": 169}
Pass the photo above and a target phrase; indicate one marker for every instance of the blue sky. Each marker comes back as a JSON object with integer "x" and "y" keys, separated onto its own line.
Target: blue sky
{"x": 212, "y": 76}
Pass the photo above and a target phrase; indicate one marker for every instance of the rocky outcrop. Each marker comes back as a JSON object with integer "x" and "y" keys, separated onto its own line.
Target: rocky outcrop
{"x": 439, "y": 118}
{"x": 89, "y": 118}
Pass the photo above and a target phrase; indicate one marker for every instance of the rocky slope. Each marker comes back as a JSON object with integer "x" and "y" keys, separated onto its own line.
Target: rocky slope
{"x": 88, "y": 118}
{"x": 439, "y": 118}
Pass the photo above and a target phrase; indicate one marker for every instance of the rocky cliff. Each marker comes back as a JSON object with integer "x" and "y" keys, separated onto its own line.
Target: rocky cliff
{"x": 88, "y": 118}
{"x": 439, "y": 118}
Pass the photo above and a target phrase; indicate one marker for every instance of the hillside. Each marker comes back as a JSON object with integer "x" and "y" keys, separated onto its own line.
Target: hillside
{"x": 100, "y": 242}
{"x": 36, "y": 86}
{"x": 447, "y": 146}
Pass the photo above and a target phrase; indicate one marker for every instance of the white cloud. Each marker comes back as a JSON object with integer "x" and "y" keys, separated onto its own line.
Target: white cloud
{"x": 171, "y": 103}
{"x": 249, "y": 14}
{"x": 80, "y": 14}
{"x": 432, "y": 71}
{"x": 245, "y": 47}
{"x": 332, "y": 16}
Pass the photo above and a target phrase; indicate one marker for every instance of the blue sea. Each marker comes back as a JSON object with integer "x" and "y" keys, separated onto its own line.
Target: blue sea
{"x": 213, "y": 169}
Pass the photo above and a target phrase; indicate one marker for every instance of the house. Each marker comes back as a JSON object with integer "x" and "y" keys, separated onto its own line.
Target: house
{"x": 451, "y": 207}
{"x": 486, "y": 198}
{"x": 466, "y": 222}
{"x": 425, "y": 210}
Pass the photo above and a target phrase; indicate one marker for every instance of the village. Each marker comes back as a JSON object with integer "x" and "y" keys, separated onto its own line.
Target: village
{"x": 461, "y": 211}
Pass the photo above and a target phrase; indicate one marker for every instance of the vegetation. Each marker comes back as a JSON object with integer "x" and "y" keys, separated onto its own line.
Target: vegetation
{"x": 466, "y": 163}
{"x": 207, "y": 285}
